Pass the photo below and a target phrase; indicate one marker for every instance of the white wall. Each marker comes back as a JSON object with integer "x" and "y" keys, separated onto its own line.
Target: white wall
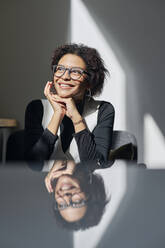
{"x": 135, "y": 32}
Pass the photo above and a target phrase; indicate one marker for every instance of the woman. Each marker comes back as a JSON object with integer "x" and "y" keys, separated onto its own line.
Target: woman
{"x": 79, "y": 127}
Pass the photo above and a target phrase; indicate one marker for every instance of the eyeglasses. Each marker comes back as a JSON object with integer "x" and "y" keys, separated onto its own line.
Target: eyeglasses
{"x": 75, "y": 73}
{"x": 75, "y": 201}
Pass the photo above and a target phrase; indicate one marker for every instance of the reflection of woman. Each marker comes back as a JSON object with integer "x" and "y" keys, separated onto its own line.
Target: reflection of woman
{"x": 79, "y": 196}
{"x": 79, "y": 127}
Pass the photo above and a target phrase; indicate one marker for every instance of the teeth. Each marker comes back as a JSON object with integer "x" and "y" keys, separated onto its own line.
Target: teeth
{"x": 66, "y": 187}
{"x": 66, "y": 85}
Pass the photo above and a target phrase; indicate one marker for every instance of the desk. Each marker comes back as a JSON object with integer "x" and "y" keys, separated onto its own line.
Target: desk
{"x": 5, "y": 126}
{"x": 136, "y": 220}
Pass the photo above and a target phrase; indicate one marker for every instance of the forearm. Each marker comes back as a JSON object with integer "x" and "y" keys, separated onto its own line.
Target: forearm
{"x": 78, "y": 123}
{"x": 38, "y": 147}
{"x": 54, "y": 123}
{"x": 96, "y": 145}
{"x": 88, "y": 149}
{"x": 39, "y": 143}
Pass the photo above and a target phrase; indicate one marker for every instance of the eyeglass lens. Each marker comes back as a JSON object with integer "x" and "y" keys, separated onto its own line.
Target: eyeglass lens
{"x": 74, "y": 201}
{"x": 75, "y": 73}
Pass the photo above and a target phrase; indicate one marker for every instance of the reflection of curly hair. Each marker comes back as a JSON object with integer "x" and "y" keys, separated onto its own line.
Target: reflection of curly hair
{"x": 94, "y": 63}
{"x": 97, "y": 200}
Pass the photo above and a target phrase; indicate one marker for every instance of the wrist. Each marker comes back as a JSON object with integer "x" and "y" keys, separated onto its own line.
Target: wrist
{"x": 58, "y": 115}
{"x": 78, "y": 122}
{"x": 76, "y": 117}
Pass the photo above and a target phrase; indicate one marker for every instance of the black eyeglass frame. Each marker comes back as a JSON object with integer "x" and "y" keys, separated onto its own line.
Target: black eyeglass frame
{"x": 71, "y": 204}
{"x": 69, "y": 70}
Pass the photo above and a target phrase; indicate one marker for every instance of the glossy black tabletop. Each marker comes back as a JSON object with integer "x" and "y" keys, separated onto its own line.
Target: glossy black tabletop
{"x": 133, "y": 216}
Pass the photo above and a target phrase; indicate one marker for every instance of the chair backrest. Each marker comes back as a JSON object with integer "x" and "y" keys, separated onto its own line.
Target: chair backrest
{"x": 15, "y": 147}
{"x": 124, "y": 146}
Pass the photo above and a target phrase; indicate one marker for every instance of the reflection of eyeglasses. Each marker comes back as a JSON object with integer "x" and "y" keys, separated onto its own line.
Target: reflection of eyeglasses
{"x": 75, "y": 72}
{"x": 75, "y": 201}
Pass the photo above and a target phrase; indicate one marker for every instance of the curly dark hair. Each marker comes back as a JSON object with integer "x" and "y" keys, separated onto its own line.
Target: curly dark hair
{"x": 95, "y": 191}
{"x": 94, "y": 64}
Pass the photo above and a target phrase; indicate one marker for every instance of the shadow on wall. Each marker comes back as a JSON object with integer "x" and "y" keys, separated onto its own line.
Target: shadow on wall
{"x": 135, "y": 31}
{"x": 30, "y": 31}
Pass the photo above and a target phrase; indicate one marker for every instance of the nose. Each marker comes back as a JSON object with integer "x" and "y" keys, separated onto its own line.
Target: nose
{"x": 64, "y": 193}
{"x": 67, "y": 197}
{"x": 66, "y": 75}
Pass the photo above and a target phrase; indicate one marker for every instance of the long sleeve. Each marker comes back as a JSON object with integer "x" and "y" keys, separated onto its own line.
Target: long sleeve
{"x": 39, "y": 143}
{"x": 96, "y": 145}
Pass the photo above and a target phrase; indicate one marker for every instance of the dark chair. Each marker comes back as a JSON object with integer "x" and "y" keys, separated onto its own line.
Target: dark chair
{"x": 15, "y": 147}
{"x": 124, "y": 146}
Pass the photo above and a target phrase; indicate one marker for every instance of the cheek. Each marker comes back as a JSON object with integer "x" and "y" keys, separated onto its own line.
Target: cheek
{"x": 55, "y": 79}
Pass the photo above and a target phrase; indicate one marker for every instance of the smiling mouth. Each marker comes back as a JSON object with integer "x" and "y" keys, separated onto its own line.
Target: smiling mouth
{"x": 65, "y": 85}
{"x": 66, "y": 186}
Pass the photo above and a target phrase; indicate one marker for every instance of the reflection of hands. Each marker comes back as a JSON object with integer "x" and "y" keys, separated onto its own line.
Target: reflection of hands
{"x": 59, "y": 168}
{"x": 57, "y": 106}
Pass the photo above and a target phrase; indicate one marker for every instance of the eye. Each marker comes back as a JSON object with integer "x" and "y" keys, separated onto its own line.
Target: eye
{"x": 76, "y": 71}
{"x": 60, "y": 201}
{"x": 60, "y": 68}
{"x": 62, "y": 206}
{"x": 78, "y": 204}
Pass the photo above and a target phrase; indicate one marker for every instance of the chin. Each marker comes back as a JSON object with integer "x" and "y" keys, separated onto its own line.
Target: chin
{"x": 65, "y": 95}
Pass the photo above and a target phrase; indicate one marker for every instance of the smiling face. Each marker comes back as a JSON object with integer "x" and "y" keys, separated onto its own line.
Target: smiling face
{"x": 67, "y": 189}
{"x": 67, "y": 87}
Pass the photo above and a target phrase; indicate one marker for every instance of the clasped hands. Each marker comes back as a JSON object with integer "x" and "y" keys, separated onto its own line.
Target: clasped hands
{"x": 62, "y": 106}
{"x": 59, "y": 169}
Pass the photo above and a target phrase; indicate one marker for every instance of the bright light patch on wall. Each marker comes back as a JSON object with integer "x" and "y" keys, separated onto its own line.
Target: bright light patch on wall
{"x": 84, "y": 30}
{"x": 154, "y": 144}
{"x": 115, "y": 185}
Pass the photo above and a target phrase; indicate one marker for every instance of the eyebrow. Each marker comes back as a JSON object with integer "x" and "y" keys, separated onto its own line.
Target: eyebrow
{"x": 76, "y": 67}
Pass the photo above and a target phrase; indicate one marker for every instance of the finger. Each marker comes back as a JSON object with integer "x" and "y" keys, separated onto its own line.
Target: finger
{"x": 55, "y": 172}
{"x": 47, "y": 88}
{"x": 62, "y": 104}
{"x": 69, "y": 172}
{"x": 58, "y": 101}
{"x": 58, "y": 97}
{"x": 56, "y": 175}
{"x": 47, "y": 85}
{"x": 48, "y": 184}
{"x": 50, "y": 187}
{"x": 62, "y": 99}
